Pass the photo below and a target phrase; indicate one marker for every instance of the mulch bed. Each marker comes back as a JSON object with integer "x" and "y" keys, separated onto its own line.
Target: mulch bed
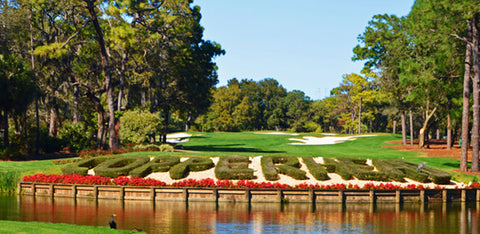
{"x": 435, "y": 148}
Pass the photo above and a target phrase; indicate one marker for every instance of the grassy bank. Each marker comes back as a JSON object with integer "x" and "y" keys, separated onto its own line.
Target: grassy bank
{"x": 47, "y": 228}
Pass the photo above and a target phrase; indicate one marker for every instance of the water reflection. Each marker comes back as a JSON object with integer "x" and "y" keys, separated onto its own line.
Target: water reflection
{"x": 206, "y": 217}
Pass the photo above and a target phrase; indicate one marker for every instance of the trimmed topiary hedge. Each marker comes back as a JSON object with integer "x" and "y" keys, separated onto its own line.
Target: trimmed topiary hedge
{"x": 192, "y": 164}
{"x": 362, "y": 171}
{"x": 158, "y": 164}
{"x": 120, "y": 166}
{"x": 66, "y": 161}
{"x": 392, "y": 172}
{"x": 437, "y": 176}
{"x": 334, "y": 166}
{"x": 82, "y": 167}
{"x": 409, "y": 169}
{"x": 268, "y": 168}
{"x": 234, "y": 168}
{"x": 317, "y": 170}
{"x": 272, "y": 165}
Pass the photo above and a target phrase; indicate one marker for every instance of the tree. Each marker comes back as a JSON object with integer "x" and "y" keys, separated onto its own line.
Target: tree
{"x": 16, "y": 90}
{"x": 384, "y": 45}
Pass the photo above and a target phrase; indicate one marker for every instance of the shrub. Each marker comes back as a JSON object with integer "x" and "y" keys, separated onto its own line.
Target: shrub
{"x": 161, "y": 148}
{"x": 192, "y": 164}
{"x": 8, "y": 181}
{"x": 437, "y": 176}
{"x": 268, "y": 168}
{"x": 409, "y": 169}
{"x": 119, "y": 166}
{"x": 158, "y": 164}
{"x": 234, "y": 168}
{"x": 85, "y": 154}
{"x": 76, "y": 136}
{"x": 317, "y": 170}
{"x": 136, "y": 127}
{"x": 334, "y": 166}
{"x": 286, "y": 165}
{"x": 362, "y": 171}
{"x": 66, "y": 161}
{"x": 82, "y": 167}
{"x": 388, "y": 169}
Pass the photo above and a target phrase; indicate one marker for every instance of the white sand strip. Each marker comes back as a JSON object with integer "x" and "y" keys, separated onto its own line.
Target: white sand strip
{"x": 329, "y": 140}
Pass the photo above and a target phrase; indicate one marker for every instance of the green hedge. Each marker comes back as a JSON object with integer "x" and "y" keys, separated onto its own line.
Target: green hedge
{"x": 192, "y": 164}
{"x": 338, "y": 168}
{"x": 120, "y": 166}
{"x": 317, "y": 170}
{"x": 268, "y": 168}
{"x": 82, "y": 167}
{"x": 158, "y": 164}
{"x": 409, "y": 169}
{"x": 437, "y": 176}
{"x": 362, "y": 171}
{"x": 288, "y": 165}
{"x": 426, "y": 174}
{"x": 391, "y": 171}
{"x": 66, "y": 161}
{"x": 234, "y": 168}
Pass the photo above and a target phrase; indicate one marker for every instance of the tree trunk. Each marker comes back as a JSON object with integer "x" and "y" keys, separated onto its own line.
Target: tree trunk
{"x": 449, "y": 132}
{"x": 102, "y": 131}
{"x": 113, "y": 138}
{"x": 411, "y": 127}
{"x": 476, "y": 96}
{"x": 51, "y": 127}
{"x": 394, "y": 131}
{"x": 466, "y": 100}
{"x": 404, "y": 128}
{"x": 360, "y": 117}
{"x": 122, "y": 81}
{"x": 421, "y": 136}
{"x": 143, "y": 99}
{"x": 6, "y": 140}
{"x": 166, "y": 115}
{"x": 101, "y": 120}
{"x": 438, "y": 134}
{"x": 37, "y": 114}
{"x": 76, "y": 116}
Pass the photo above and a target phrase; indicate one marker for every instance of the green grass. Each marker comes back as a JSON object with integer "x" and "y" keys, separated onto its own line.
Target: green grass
{"x": 251, "y": 144}
{"x": 24, "y": 166}
{"x": 47, "y": 228}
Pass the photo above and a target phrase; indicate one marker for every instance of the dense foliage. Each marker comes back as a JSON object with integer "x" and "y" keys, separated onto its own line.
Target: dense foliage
{"x": 70, "y": 68}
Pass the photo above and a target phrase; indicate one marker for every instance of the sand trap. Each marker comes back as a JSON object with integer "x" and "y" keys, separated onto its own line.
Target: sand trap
{"x": 278, "y": 133}
{"x": 177, "y": 138}
{"x": 255, "y": 165}
{"x": 329, "y": 140}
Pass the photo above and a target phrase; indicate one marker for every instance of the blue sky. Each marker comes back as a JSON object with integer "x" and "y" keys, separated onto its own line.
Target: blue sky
{"x": 304, "y": 44}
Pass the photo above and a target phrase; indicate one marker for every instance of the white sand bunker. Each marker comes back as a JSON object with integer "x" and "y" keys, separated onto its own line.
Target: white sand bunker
{"x": 308, "y": 140}
{"x": 177, "y": 138}
{"x": 277, "y": 133}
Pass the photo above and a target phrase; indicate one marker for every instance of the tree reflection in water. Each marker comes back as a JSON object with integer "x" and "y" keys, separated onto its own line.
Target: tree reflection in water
{"x": 208, "y": 217}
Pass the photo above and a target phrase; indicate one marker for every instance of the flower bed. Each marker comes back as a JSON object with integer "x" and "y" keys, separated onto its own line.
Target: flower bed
{"x": 208, "y": 182}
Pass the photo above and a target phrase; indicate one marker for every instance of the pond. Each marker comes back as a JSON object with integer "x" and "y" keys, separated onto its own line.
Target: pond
{"x": 209, "y": 217}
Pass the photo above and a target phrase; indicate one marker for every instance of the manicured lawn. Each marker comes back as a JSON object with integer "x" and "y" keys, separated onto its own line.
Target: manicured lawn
{"x": 20, "y": 166}
{"x": 252, "y": 144}
{"x": 47, "y": 228}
